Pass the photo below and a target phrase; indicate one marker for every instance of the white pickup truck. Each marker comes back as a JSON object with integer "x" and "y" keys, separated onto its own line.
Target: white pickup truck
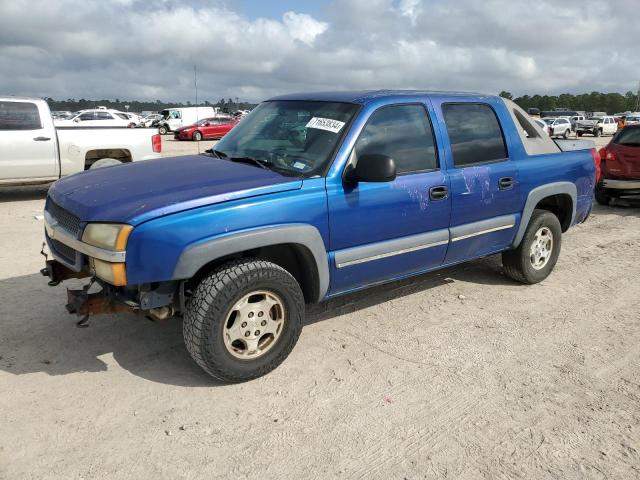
{"x": 33, "y": 151}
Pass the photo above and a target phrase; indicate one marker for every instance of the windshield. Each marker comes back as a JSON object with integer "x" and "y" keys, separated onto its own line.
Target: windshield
{"x": 295, "y": 137}
{"x": 549, "y": 120}
{"x": 596, "y": 119}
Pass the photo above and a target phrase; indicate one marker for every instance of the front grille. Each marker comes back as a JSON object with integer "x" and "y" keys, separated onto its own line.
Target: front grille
{"x": 65, "y": 219}
{"x": 65, "y": 251}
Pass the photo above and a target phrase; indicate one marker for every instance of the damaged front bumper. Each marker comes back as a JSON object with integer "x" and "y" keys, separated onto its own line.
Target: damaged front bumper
{"x": 158, "y": 301}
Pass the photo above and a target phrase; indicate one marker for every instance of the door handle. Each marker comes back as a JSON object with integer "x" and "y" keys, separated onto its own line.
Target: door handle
{"x": 505, "y": 183}
{"x": 438, "y": 193}
{"x": 41, "y": 139}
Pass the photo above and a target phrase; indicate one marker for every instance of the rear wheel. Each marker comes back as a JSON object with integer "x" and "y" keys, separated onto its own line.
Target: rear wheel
{"x": 533, "y": 260}
{"x": 197, "y": 136}
{"x": 579, "y": 134}
{"x": 601, "y": 196}
{"x": 243, "y": 320}
{"x": 597, "y": 132}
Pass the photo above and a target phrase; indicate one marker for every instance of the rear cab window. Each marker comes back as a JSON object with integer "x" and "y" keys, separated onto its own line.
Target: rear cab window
{"x": 404, "y": 133}
{"x": 474, "y": 133}
{"x": 19, "y": 116}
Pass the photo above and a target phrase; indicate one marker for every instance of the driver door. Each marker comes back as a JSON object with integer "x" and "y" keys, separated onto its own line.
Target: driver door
{"x": 381, "y": 231}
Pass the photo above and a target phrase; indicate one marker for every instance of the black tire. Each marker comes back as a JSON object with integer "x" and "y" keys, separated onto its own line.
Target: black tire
{"x": 517, "y": 262}
{"x": 207, "y": 310}
{"x": 163, "y": 130}
{"x": 601, "y": 196}
{"x": 579, "y": 134}
{"x": 597, "y": 132}
{"x": 197, "y": 136}
{"x": 566, "y": 134}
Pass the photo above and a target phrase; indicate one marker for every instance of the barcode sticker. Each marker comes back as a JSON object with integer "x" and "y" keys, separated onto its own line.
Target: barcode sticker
{"x": 325, "y": 124}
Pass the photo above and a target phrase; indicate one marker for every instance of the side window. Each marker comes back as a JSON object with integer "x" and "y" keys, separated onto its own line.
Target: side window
{"x": 404, "y": 133}
{"x": 474, "y": 133}
{"x": 87, "y": 116}
{"x": 19, "y": 116}
{"x": 103, "y": 116}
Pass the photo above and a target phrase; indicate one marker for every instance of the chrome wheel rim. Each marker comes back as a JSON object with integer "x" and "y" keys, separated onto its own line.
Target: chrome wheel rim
{"x": 254, "y": 324}
{"x": 541, "y": 248}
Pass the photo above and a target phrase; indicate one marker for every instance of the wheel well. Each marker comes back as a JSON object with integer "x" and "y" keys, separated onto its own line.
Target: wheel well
{"x": 561, "y": 206}
{"x": 93, "y": 156}
{"x": 294, "y": 258}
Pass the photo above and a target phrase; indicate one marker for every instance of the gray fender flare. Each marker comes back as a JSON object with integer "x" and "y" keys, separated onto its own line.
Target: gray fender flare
{"x": 199, "y": 254}
{"x": 540, "y": 193}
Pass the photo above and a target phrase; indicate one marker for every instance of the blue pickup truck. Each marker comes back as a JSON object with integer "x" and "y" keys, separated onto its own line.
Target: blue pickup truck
{"x": 313, "y": 196}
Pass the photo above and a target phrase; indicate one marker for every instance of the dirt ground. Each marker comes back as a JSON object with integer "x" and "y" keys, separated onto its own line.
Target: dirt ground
{"x": 460, "y": 374}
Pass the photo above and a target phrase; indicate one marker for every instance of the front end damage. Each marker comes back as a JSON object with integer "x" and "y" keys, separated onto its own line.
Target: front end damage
{"x": 155, "y": 301}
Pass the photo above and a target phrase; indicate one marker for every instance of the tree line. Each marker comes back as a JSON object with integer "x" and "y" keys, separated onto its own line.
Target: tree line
{"x": 73, "y": 105}
{"x": 587, "y": 102}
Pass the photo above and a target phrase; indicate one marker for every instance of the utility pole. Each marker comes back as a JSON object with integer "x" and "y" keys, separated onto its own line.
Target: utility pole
{"x": 637, "y": 107}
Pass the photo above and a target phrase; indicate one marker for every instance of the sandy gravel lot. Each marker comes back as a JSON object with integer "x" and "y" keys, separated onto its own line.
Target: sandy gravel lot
{"x": 460, "y": 373}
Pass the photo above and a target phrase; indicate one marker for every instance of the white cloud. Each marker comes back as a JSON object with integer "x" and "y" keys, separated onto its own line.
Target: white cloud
{"x": 141, "y": 49}
{"x": 303, "y": 27}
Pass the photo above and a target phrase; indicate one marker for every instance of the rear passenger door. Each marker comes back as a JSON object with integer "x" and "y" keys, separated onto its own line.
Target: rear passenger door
{"x": 484, "y": 181}
{"x": 386, "y": 230}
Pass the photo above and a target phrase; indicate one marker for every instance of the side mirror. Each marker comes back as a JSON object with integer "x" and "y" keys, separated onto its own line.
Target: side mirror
{"x": 76, "y": 120}
{"x": 373, "y": 167}
{"x": 206, "y": 124}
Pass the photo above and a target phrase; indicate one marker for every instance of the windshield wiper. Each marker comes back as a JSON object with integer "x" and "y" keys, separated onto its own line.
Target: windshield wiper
{"x": 215, "y": 153}
{"x": 254, "y": 161}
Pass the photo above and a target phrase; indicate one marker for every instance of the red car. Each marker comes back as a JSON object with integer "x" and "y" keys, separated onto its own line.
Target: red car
{"x": 620, "y": 165}
{"x": 207, "y": 128}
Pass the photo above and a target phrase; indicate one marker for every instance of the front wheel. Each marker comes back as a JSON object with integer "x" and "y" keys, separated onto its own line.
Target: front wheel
{"x": 197, "y": 136}
{"x": 533, "y": 260}
{"x": 579, "y": 134}
{"x": 597, "y": 132}
{"x": 243, "y": 320}
{"x": 163, "y": 130}
{"x": 566, "y": 133}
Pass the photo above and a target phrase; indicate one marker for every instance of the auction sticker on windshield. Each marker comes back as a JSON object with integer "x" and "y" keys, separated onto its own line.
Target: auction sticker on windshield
{"x": 325, "y": 124}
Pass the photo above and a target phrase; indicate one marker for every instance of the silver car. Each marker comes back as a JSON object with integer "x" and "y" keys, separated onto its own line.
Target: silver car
{"x": 558, "y": 127}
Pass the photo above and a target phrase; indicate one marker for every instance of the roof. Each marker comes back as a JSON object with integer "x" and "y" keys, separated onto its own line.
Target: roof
{"x": 365, "y": 96}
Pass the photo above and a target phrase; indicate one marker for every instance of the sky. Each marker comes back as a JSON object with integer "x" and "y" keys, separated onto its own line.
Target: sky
{"x": 252, "y": 49}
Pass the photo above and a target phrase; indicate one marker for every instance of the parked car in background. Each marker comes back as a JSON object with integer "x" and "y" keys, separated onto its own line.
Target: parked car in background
{"x": 620, "y": 166}
{"x": 174, "y": 118}
{"x": 596, "y": 126}
{"x": 147, "y": 120}
{"x": 62, "y": 115}
{"x": 543, "y": 125}
{"x": 574, "y": 121}
{"x": 558, "y": 127}
{"x": 310, "y": 197}
{"x": 99, "y": 117}
{"x": 633, "y": 119}
{"x": 206, "y": 129}
{"x": 33, "y": 150}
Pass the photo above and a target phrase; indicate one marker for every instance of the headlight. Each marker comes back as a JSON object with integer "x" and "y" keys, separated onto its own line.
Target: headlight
{"x": 110, "y": 236}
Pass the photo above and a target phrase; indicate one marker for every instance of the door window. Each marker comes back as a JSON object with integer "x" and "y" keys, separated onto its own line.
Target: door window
{"x": 474, "y": 133}
{"x": 19, "y": 116}
{"x": 402, "y": 132}
{"x": 87, "y": 116}
{"x": 103, "y": 116}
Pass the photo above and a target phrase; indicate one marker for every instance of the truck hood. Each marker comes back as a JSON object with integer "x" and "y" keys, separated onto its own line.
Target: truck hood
{"x": 137, "y": 192}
